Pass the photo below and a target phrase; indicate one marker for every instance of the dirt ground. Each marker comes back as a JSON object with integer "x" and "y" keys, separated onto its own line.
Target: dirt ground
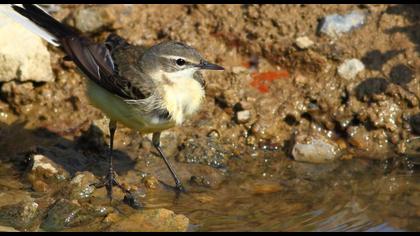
{"x": 292, "y": 95}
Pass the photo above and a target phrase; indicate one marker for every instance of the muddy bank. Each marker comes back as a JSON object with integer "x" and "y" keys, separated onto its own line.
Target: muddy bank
{"x": 290, "y": 95}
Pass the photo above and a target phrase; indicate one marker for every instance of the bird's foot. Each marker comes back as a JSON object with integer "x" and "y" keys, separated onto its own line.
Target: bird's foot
{"x": 180, "y": 188}
{"x": 109, "y": 181}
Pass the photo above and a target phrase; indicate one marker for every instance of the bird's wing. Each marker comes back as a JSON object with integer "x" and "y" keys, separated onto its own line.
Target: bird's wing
{"x": 106, "y": 65}
{"x": 126, "y": 60}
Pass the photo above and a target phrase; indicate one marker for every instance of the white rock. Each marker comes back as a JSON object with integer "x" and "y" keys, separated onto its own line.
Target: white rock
{"x": 243, "y": 116}
{"x": 350, "y": 68}
{"x": 23, "y": 55}
{"x": 42, "y": 162}
{"x": 335, "y": 25}
{"x": 304, "y": 42}
{"x": 315, "y": 151}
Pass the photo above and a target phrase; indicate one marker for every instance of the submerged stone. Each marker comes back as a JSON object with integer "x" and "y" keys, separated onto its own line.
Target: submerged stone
{"x": 81, "y": 186}
{"x": 20, "y": 215}
{"x": 314, "y": 150}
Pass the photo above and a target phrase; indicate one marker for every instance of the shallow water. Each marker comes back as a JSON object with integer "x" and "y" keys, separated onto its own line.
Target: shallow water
{"x": 345, "y": 199}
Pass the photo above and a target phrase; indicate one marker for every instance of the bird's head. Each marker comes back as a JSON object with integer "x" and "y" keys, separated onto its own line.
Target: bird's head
{"x": 174, "y": 60}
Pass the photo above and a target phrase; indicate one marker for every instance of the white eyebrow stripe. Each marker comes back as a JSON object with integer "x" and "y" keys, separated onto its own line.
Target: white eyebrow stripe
{"x": 173, "y": 57}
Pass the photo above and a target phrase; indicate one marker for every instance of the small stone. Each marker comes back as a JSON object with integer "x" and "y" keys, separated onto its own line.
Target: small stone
{"x": 213, "y": 134}
{"x": 335, "y": 25}
{"x": 23, "y": 55}
{"x": 350, "y": 68}
{"x": 314, "y": 150}
{"x": 81, "y": 186}
{"x": 243, "y": 116}
{"x": 42, "y": 163}
{"x": 94, "y": 18}
{"x": 304, "y": 42}
{"x": 45, "y": 174}
{"x": 301, "y": 79}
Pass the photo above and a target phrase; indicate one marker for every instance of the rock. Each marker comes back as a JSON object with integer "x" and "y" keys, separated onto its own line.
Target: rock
{"x": 314, "y": 150}
{"x": 93, "y": 19}
{"x": 304, "y": 42}
{"x": 243, "y": 116}
{"x": 335, "y": 25}
{"x": 23, "y": 55}
{"x": 156, "y": 220}
{"x": 45, "y": 175}
{"x": 65, "y": 213}
{"x": 61, "y": 215}
{"x": 81, "y": 186}
{"x": 350, "y": 68}
{"x": 19, "y": 215}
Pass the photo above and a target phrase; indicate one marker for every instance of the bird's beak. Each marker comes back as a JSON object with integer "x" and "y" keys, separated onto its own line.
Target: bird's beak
{"x": 205, "y": 65}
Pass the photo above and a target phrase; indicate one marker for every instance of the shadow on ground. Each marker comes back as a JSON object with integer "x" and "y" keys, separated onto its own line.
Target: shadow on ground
{"x": 88, "y": 152}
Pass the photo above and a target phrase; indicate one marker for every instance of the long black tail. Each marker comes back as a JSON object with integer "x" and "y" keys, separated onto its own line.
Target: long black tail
{"x": 39, "y": 21}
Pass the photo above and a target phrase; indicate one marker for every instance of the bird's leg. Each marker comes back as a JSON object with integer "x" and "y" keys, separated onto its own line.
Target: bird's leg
{"x": 156, "y": 144}
{"x": 110, "y": 177}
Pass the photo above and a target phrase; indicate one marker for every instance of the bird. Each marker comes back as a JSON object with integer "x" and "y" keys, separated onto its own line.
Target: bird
{"x": 146, "y": 89}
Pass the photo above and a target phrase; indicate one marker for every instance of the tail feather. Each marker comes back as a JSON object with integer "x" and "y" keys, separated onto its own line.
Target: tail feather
{"x": 37, "y": 20}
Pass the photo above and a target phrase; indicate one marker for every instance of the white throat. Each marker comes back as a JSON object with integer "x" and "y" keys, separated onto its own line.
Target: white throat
{"x": 182, "y": 94}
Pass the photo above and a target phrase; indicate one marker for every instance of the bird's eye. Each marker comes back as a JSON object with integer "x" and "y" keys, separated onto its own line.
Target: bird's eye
{"x": 180, "y": 62}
